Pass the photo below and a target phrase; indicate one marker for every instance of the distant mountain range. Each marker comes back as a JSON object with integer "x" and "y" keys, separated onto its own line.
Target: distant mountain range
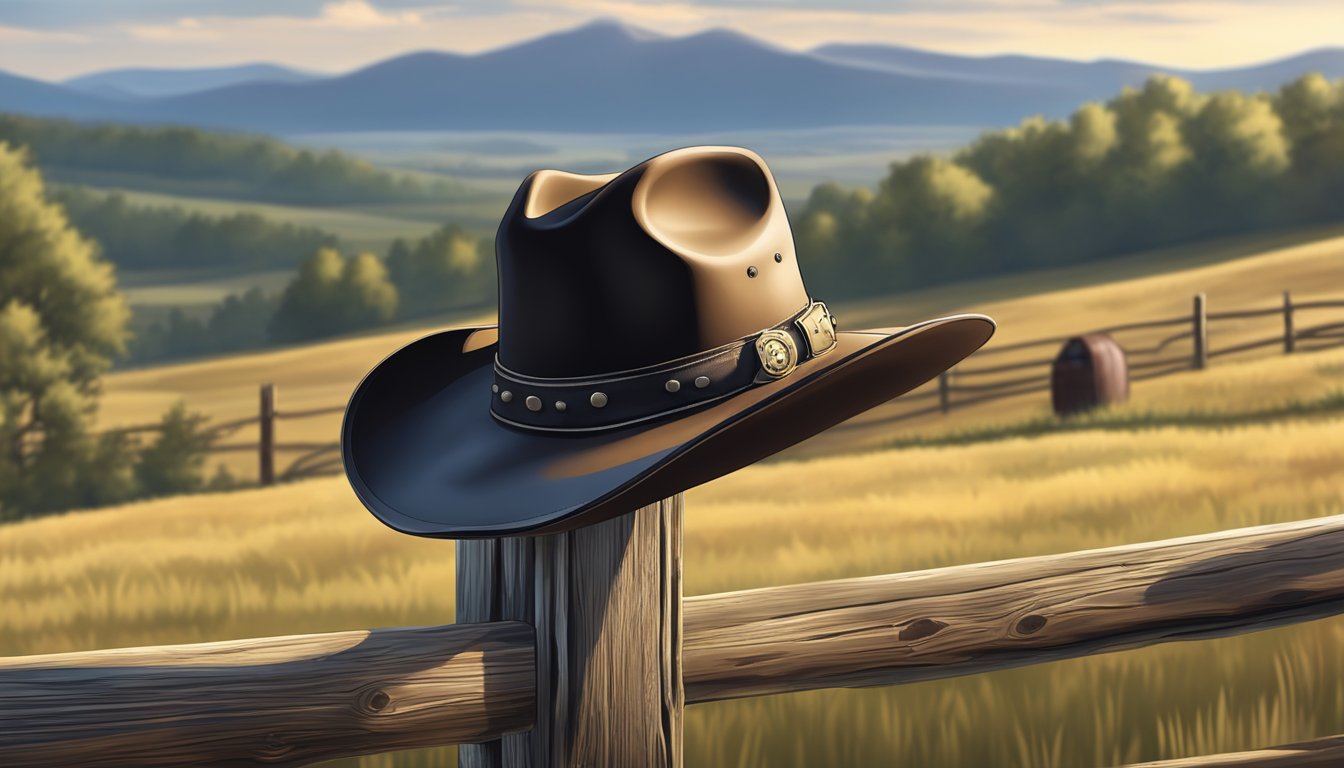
{"x": 1088, "y": 79}
{"x": 150, "y": 83}
{"x": 609, "y": 77}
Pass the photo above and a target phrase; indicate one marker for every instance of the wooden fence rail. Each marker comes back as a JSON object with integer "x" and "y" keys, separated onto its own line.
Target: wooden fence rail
{"x": 292, "y": 700}
{"x": 961, "y": 620}
{"x": 273, "y": 701}
{"x": 1317, "y": 753}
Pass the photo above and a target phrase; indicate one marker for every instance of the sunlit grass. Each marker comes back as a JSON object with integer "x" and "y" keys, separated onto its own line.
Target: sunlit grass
{"x": 308, "y": 558}
{"x": 1243, "y": 443}
{"x": 1026, "y": 307}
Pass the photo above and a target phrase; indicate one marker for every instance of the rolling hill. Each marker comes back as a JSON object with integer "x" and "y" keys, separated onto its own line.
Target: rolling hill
{"x": 1087, "y": 79}
{"x": 607, "y": 77}
{"x": 28, "y": 96}
{"x": 307, "y": 558}
{"x": 1237, "y": 273}
{"x": 147, "y": 83}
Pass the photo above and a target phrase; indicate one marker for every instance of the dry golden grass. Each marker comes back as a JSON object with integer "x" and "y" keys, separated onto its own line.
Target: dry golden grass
{"x": 1236, "y": 273}
{"x": 1026, "y": 307}
{"x": 306, "y": 557}
{"x": 1311, "y": 271}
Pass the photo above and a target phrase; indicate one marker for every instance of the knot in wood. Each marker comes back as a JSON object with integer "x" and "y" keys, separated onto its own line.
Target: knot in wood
{"x": 920, "y": 629}
{"x": 374, "y": 701}
{"x": 1030, "y": 624}
{"x": 274, "y": 748}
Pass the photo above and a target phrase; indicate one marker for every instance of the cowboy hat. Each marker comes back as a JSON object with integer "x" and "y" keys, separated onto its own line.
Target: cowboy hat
{"x": 654, "y": 333}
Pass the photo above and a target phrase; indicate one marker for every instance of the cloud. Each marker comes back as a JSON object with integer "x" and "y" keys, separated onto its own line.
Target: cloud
{"x": 343, "y": 15}
{"x": 26, "y": 35}
{"x": 359, "y": 14}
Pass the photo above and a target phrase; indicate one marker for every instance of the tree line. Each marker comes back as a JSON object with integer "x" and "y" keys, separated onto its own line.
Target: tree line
{"x": 169, "y": 237}
{"x": 1154, "y": 166}
{"x": 253, "y": 167}
{"x": 332, "y": 294}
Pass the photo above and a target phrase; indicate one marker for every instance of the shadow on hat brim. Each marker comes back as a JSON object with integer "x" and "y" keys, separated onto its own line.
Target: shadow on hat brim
{"x": 426, "y": 457}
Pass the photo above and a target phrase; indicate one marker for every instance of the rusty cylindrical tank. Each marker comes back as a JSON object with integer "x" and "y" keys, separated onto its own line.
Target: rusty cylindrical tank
{"x": 1089, "y": 371}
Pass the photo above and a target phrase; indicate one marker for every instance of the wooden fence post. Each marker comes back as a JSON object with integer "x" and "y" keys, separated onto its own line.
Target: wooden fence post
{"x": 266, "y": 445}
{"x": 1289, "y": 338}
{"x": 606, "y": 604}
{"x": 1201, "y": 334}
{"x": 944, "y": 392}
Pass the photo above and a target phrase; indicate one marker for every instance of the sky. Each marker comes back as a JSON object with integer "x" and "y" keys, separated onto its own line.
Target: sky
{"x": 56, "y": 39}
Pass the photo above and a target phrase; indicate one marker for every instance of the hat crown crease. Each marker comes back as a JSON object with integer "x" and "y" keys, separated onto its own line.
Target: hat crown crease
{"x": 670, "y": 258}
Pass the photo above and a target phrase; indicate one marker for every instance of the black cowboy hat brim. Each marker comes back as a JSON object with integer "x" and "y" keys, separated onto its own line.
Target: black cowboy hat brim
{"x": 426, "y": 457}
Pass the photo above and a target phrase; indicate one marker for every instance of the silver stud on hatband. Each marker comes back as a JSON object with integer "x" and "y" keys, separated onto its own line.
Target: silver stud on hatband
{"x": 701, "y": 382}
{"x": 494, "y": 388}
{"x": 506, "y": 396}
{"x": 560, "y": 406}
{"x": 533, "y": 403}
{"x": 599, "y": 399}
{"x": 672, "y": 385}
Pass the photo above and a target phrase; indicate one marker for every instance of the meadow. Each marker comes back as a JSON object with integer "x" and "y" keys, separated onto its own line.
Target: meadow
{"x": 1237, "y": 273}
{"x": 1247, "y": 442}
{"x": 307, "y": 558}
{"x": 801, "y": 158}
{"x": 363, "y": 227}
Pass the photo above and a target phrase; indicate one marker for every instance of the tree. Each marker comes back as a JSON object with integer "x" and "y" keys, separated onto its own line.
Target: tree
{"x": 1238, "y": 151}
{"x": 239, "y": 322}
{"x": 173, "y": 463}
{"x": 308, "y": 305}
{"x": 332, "y": 294}
{"x": 1312, "y": 111}
{"x": 928, "y": 213}
{"x": 367, "y": 298}
{"x": 445, "y": 269}
{"x": 61, "y": 323}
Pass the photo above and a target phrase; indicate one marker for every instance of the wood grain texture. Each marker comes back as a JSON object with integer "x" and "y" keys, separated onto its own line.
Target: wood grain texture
{"x": 967, "y": 619}
{"x": 274, "y": 701}
{"x": 600, "y": 675}
{"x": 477, "y": 601}
{"x": 1308, "y": 754}
{"x": 609, "y": 597}
{"x": 606, "y": 602}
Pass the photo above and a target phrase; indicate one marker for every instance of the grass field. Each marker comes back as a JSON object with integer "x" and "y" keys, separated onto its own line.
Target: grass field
{"x": 160, "y": 289}
{"x": 1039, "y": 305}
{"x": 306, "y": 557}
{"x": 1246, "y": 442}
{"x": 359, "y": 227}
{"x": 498, "y": 160}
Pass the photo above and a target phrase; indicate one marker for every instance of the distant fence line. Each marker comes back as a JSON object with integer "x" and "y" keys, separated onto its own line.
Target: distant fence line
{"x": 1147, "y": 359}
